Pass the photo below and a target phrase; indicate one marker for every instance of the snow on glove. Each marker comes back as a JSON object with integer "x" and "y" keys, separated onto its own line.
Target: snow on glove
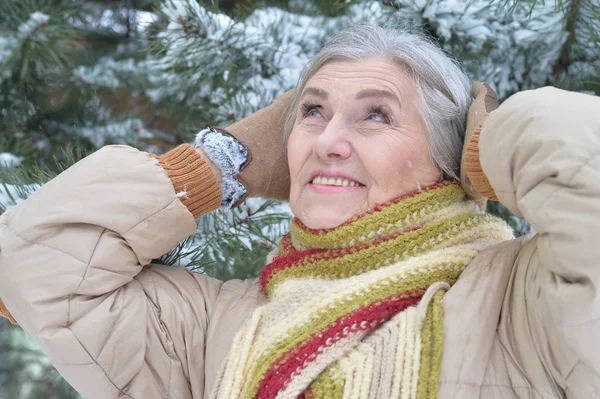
{"x": 473, "y": 180}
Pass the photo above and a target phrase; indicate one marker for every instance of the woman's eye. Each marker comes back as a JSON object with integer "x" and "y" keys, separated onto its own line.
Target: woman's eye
{"x": 377, "y": 115}
{"x": 311, "y": 110}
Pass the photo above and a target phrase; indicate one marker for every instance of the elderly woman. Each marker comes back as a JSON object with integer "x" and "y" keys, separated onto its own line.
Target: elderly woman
{"x": 391, "y": 283}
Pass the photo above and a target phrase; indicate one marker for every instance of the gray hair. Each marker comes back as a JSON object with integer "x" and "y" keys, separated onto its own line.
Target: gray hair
{"x": 443, "y": 88}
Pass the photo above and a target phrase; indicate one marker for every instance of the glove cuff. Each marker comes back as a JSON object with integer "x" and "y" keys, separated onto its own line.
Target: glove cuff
{"x": 192, "y": 179}
{"x": 475, "y": 175}
{"x": 230, "y": 156}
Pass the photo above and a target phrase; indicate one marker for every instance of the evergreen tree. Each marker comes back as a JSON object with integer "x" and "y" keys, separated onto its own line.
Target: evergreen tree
{"x": 76, "y": 75}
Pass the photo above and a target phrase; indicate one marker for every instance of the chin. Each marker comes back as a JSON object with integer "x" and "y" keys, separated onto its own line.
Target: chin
{"x": 324, "y": 218}
{"x": 320, "y": 213}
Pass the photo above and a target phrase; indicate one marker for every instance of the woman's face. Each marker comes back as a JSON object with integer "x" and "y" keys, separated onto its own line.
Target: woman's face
{"x": 358, "y": 141}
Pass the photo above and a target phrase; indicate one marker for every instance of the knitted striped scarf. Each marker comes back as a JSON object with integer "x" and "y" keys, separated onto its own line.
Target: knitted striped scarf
{"x": 356, "y": 311}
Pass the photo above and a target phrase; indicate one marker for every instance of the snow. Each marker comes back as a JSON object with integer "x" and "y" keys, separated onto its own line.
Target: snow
{"x": 236, "y": 67}
{"x": 115, "y": 21}
{"x": 11, "y": 195}
{"x": 521, "y": 225}
{"x": 144, "y": 19}
{"x": 517, "y": 48}
{"x": 273, "y": 230}
{"x": 261, "y": 57}
{"x": 230, "y": 69}
{"x": 586, "y": 50}
{"x": 110, "y": 20}
{"x": 32, "y": 25}
{"x": 9, "y": 160}
{"x": 8, "y": 45}
{"x": 127, "y": 131}
{"x": 107, "y": 72}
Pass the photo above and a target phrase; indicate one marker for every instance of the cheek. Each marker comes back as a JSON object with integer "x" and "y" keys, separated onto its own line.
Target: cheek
{"x": 299, "y": 149}
{"x": 391, "y": 169}
{"x": 388, "y": 157}
{"x": 397, "y": 165}
{"x": 293, "y": 153}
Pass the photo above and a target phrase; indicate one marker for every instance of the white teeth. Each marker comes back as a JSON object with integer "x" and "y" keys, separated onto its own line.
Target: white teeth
{"x": 332, "y": 181}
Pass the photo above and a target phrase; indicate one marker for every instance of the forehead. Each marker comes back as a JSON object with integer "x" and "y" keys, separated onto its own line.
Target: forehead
{"x": 356, "y": 75}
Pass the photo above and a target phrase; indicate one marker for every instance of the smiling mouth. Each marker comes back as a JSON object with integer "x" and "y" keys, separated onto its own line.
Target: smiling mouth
{"x": 335, "y": 181}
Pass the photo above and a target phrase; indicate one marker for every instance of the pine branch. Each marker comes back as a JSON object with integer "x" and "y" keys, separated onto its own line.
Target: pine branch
{"x": 232, "y": 244}
{"x": 40, "y": 37}
{"x": 520, "y": 226}
{"x": 18, "y": 183}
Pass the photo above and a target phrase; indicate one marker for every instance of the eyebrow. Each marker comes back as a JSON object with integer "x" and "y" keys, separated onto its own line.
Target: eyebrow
{"x": 360, "y": 95}
{"x": 315, "y": 91}
{"x": 375, "y": 93}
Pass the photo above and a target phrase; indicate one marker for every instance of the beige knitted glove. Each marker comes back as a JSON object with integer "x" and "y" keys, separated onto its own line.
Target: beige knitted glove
{"x": 266, "y": 174}
{"x": 473, "y": 180}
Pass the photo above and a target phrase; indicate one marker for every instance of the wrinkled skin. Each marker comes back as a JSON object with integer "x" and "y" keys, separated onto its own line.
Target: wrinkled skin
{"x": 358, "y": 120}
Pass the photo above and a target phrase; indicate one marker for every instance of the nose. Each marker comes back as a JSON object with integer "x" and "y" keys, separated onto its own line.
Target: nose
{"x": 332, "y": 144}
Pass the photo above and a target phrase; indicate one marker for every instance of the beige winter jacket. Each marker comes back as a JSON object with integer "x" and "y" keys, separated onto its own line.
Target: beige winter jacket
{"x": 523, "y": 321}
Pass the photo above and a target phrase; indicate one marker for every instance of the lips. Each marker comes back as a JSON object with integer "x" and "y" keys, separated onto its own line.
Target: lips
{"x": 328, "y": 178}
{"x": 332, "y": 181}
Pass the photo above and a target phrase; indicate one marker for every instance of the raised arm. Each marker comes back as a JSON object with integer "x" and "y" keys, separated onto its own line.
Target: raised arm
{"x": 72, "y": 258}
{"x": 540, "y": 151}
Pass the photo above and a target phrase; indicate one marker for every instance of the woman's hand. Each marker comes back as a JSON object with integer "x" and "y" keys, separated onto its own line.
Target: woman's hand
{"x": 266, "y": 174}
{"x": 473, "y": 179}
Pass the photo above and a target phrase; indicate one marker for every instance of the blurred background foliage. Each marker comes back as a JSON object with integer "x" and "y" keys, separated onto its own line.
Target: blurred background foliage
{"x": 76, "y": 75}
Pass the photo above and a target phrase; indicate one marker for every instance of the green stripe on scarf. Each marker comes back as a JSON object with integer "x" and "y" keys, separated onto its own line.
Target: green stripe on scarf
{"x": 370, "y": 226}
{"x": 323, "y": 282}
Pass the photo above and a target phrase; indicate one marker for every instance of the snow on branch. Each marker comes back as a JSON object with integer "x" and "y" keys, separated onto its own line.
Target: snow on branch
{"x": 36, "y": 21}
{"x": 127, "y": 131}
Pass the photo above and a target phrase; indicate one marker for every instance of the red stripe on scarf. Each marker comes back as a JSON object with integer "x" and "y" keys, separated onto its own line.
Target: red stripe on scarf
{"x": 300, "y": 258}
{"x": 366, "y": 319}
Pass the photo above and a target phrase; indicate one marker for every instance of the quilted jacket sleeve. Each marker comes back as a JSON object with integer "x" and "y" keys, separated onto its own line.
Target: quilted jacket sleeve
{"x": 71, "y": 261}
{"x": 541, "y": 153}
